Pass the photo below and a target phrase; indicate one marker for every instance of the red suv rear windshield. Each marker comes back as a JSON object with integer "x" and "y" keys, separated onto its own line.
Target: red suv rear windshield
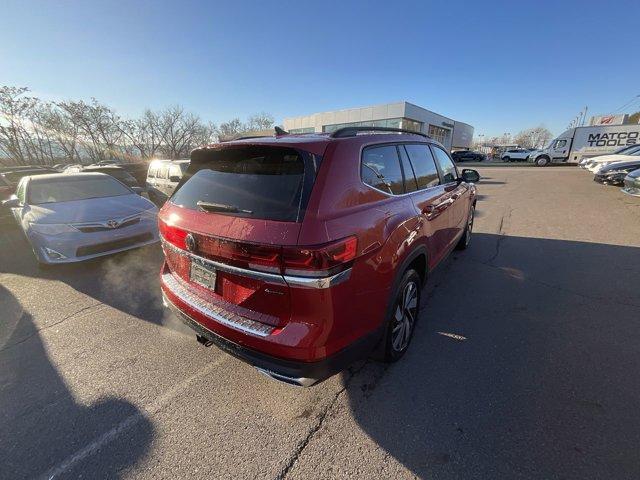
{"x": 270, "y": 183}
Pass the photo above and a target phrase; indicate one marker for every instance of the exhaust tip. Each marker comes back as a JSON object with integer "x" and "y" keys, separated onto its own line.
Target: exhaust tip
{"x": 295, "y": 381}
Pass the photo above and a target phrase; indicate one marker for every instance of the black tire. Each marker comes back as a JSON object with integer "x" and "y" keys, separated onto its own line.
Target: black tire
{"x": 542, "y": 161}
{"x": 464, "y": 241}
{"x": 506, "y": 159}
{"x": 394, "y": 347}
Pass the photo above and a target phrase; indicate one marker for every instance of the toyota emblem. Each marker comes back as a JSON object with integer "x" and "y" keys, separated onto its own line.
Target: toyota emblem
{"x": 112, "y": 224}
{"x": 190, "y": 242}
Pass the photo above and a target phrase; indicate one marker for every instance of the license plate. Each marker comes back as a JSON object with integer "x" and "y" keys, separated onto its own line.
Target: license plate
{"x": 203, "y": 276}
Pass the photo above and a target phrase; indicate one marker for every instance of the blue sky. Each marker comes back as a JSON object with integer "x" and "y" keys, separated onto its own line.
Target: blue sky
{"x": 501, "y": 66}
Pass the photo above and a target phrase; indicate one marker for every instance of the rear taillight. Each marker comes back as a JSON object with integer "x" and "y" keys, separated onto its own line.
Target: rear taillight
{"x": 312, "y": 261}
{"x": 320, "y": 260}
{"x": 172, "y": 234}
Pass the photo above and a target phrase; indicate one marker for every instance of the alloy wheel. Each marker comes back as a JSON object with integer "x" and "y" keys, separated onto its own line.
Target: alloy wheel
{"x": 405, "y": 317}
{"x": 469, "y": 230}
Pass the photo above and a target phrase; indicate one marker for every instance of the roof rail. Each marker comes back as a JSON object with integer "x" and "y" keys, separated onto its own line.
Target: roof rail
{"x": 353, "y": 131}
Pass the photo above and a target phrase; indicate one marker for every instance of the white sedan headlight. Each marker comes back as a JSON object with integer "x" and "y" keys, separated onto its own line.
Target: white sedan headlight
{"x": 52, "y": 228}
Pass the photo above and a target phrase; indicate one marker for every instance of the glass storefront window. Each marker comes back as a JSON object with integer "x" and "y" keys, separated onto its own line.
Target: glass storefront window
{"x": 303, "y": 130}
{"x": 387, "y": 122}
{"x": 439, "y": 134}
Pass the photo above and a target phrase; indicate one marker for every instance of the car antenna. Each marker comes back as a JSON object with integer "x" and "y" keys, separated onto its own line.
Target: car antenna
{"x": 280, "y": 131}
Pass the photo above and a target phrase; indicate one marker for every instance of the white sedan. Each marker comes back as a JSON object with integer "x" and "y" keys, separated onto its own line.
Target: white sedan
{"x": 604, "y": 160}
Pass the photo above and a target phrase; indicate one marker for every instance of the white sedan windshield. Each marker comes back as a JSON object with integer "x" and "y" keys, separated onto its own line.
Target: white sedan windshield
{"x": 66, "y": 190}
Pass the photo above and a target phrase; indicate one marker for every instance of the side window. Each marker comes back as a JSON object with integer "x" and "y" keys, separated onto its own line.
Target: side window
{"x": 163, "y": 172}
{"x": 410, "y": 182}
{"x": 152, "y": 172}
{"x": 20, "y": 191}
{"x": 175, "y": 171}
{"x": 447, "y": 168}
{"x": 423, "y": 165}
{"x": 560, "y": 143}
{"x": 380, "y": 168}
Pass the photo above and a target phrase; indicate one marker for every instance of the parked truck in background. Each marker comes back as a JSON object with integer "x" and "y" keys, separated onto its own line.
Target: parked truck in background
{"x": 584, "y": 142}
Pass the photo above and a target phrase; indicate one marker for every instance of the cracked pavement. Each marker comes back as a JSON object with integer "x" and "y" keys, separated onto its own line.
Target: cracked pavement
{"x": 523, "y": 364}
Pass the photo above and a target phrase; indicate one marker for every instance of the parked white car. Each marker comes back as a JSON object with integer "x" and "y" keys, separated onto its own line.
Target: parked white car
{"x": 516, "y": 155}
{"x": 605, "y": 160}
{"x": 620, "y": 156}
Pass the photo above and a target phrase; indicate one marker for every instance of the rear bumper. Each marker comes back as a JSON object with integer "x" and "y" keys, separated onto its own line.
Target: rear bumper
{"x": 292, "y": 372}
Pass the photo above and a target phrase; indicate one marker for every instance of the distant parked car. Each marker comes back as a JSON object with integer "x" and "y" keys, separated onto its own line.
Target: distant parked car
{"x": 586, "y": 161}
{"x": 120, "y": 174}
{"x": 69, "y": 218}
{"x": 615, "y": 173}
{"x": 632, "y": 184}
{"x": 602, "y": 161}
{"x": 468, "y": 156}
{"x": 516, "y": 155}
{"x": 137, "y": 170}
{"x": 163, "y": 177}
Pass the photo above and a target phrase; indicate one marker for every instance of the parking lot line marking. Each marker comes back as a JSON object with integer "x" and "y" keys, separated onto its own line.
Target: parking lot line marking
{"x": 130, "y": 421}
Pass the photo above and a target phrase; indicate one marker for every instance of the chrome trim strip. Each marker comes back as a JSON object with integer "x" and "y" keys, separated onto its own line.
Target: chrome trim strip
{"x": 228, "y": 319}
{"x": 273, "y": 278}
{"x": 323, "y": 282}
{"x": 103, "y": 224}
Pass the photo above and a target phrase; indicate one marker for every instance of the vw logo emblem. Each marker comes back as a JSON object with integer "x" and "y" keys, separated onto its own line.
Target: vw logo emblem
{"x": 112, "y": 224}
{"x": 190, "y": 242}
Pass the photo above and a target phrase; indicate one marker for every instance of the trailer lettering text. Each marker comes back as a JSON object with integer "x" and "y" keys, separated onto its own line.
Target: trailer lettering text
{"x": 613, "y": 139}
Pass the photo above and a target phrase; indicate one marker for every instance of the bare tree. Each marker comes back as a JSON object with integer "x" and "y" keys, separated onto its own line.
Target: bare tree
{"x": 15, "y": 140}
{"x": 536, "y": 137}
{"x": 261, "y": 121}
{"x": 32, "y": 131}
{"x": 99, "y": 127}
{"x": 229, "y": 129}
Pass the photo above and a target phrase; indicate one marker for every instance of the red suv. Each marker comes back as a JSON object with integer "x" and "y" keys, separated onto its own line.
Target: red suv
{"x": 302, "y": 253}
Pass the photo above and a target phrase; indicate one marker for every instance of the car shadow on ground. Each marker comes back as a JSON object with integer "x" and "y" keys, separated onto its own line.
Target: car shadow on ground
{"x": 519, "y": 367}
{"x": 45, "y": 431}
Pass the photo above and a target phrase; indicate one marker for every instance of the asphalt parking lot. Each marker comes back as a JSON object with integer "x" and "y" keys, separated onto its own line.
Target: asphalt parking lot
{"x": 524, "y": 364}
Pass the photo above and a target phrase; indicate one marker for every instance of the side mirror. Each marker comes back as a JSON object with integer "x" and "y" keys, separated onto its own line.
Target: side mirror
{"x": 470, "y": 176}
{"x": 13, "y": 202}
{"x": 174, "y": 179}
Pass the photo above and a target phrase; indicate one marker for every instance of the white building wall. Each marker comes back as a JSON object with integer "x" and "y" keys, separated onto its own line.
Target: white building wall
{"x": 456, "y": 134}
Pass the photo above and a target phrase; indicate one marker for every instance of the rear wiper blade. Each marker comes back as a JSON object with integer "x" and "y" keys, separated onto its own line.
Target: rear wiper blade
{"x": 220, "y": 207}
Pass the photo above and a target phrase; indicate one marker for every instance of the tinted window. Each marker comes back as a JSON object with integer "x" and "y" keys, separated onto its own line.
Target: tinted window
{"x": 20, "y": 190}
{"x": 175, "y": 171}
{"x": 68, "y": 189}
{"x": 447, "y": 168}
{"x": 271, "y": 183}
{"x": 410, "y": 183}
{"x": 122, "y": 175}
{"x": 423, "y": 165}
{"x": 380, "y": 169}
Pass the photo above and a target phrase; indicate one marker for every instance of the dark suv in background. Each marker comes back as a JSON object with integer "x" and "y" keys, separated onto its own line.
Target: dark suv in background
{"x": 302, "y": 253}
{"x": 468, "y": 156}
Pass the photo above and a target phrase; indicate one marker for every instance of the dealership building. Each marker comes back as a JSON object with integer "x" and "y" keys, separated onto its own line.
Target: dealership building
{"x": 451, "y": 133}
